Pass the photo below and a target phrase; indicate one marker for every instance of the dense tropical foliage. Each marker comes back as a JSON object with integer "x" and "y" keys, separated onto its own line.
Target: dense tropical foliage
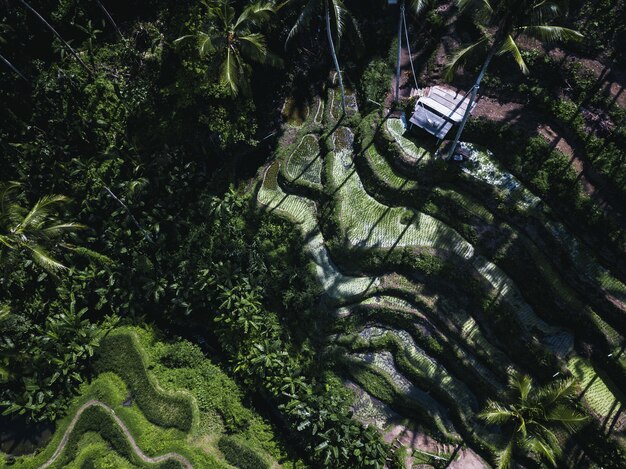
{"x": 219, "y": 197}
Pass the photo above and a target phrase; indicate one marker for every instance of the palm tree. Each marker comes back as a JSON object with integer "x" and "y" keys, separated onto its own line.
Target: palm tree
{"x": 35, "y": 231}
{"x": 335, "y": 13}
{"x": 501, "y": 22}
{"x": 234, "y": 37}
{"x": 57, "y": 35}
{"x": 531, "y": 415}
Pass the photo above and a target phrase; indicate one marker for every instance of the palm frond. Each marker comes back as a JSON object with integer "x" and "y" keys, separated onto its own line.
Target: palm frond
{"x": 538, "y": 445}
{"x": 257, "y": 41}
{"x": 5, "y": 195}
{"x": 256, "y": 13}
{"x": 496, "y": 414}
{"x": 505, "y": 457}
{"x": 229, "y": 74}
{"x": 43, "y": 258}
{"x": 61, "y": 228}
{"x": 522, "y": 384}
{"x": 253, "y": 47}
{"x": 307, "y": 14}
{"x": 91, "y": 254}
{"x": 419, "y": 6}
{"x": 482, "y": 9}
{"x": 543, "y": 12}
{"x": 464, "y": 55}
{"x": 205, "y": 44}
{"x": 555, "y": 392}
{"x": 41, "y": 210}
{"x": 357, "y": 37}
{"x": 338, "y": 14}
{"x": 509, "y": 45}
{"x": 181, "y": 40}
{"x": 550, "y": 33}
{"x": 5, "y": 310}
{"x": 568, "y": 417}
{"x": 6, "y": 241}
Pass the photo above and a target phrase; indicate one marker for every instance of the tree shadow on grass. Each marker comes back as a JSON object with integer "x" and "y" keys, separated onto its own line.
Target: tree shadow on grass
{"x": 307, "y": 166}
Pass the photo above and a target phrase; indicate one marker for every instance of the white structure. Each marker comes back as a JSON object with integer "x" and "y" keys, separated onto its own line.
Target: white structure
{"x": 439, "y": 110}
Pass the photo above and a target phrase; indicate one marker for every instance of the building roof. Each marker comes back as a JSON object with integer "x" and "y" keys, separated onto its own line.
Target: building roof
{"x": 439, "y": 110}
{"x": 431, "y": 122}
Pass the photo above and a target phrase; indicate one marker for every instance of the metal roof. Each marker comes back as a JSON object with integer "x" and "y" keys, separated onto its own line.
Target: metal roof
{"x": 439, "y": 110}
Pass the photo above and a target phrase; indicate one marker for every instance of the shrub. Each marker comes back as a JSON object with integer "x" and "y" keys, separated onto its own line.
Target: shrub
{"x": 99, "y": 421}
{"x": 182, "y": 354}
{"x": 96, "y": 419}
{"x": 375, "y": 82}
{"x": 240, "y": 455}
{"x": 120, "y": 355}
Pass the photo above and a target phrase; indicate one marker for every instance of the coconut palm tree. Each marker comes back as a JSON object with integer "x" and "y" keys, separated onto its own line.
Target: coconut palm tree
{"x": 500, "y": 23}
{"x": 335, "y": 14}
{"x": 237, "y": 39}
{"x": 531, "y": 415}
{"x": 57, "y": 35}
{"x": 34, "y": 231}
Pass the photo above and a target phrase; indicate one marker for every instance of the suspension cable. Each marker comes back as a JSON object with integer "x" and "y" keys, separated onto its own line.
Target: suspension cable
{"x": 408, "y": 45}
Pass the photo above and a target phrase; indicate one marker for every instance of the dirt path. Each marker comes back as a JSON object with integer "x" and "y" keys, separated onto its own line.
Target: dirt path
{"x": 129, "y": 437}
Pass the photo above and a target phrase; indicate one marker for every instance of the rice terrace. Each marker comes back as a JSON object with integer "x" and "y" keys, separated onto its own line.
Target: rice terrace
{"x": 313, "y": 234}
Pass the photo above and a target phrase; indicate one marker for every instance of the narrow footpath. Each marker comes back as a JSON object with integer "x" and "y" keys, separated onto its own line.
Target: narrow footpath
{"x": 145, "y": 458}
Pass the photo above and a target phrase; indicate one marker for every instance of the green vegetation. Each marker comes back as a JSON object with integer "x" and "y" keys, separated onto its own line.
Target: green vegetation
{"x": 532, "y": 416}
{"x": 165, "y": 410}
{"x": 255, "y": 263}
{"x": 118, "y": 354}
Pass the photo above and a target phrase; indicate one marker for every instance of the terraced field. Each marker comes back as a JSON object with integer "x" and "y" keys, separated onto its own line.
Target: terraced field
{"x": 128, "y": 417}
{"x": 431, "y": 274}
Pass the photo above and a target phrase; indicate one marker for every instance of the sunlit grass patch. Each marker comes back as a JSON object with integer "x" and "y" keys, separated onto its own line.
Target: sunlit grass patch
{"x": 368, "y": 223}
{"x": 386, "y": 174}
{"x": 304, "y": 163}
{"x": 596, "y": 393}
{"x": 299, "y": 210}
{"x": 415, "y": 153}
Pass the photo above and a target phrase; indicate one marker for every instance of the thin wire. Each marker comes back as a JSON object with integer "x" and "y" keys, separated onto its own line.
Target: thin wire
{"x": 408, "y": 45}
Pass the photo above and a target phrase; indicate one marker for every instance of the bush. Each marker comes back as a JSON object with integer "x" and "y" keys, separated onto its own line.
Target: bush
{"x": 98, "y": 420}
{"x": 182, "y": 354}
{"x": 375, "y": 83}
{"x": 240, "y": 455}
{"x": 120, "y": 355}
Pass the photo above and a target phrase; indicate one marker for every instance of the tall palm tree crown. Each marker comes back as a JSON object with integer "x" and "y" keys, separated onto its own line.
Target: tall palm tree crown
{"x": 237, "y": 40}
{"x": 34, "y": 231}
{"x": 531, "y": 415}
